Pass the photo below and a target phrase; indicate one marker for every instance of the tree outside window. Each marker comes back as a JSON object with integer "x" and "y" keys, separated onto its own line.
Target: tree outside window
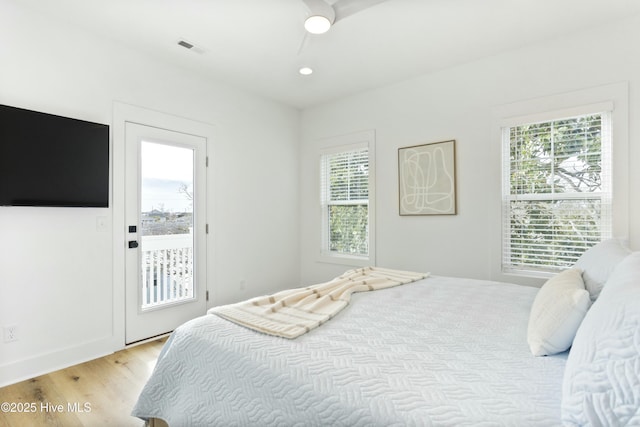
{"x": 345, "y": 200}
{"x": 556, "y": 191}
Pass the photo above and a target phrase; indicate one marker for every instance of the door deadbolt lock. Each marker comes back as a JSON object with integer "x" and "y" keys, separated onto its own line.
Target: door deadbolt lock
{"x": 133, "y": 244}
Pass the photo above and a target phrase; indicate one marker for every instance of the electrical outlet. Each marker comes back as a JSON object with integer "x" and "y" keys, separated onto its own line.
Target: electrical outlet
{"x": 11, "y": 333}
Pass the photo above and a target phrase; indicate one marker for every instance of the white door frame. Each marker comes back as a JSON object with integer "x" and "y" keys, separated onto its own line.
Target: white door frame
{"x": 142, "y": 324}
{"x": 123, "y": 113}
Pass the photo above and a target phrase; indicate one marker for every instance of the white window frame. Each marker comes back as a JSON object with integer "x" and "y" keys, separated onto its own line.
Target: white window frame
{"x": 604, "y": 195}
{"x": 616, "y": 97}
{"x": 342, "y": 144}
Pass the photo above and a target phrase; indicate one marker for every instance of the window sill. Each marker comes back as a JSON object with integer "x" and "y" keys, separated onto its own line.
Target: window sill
{"x": 342, "y": 259}
{"x": 529, "y": 273}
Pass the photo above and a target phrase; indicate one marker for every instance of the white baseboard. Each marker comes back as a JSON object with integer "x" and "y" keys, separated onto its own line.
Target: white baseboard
{"x": 31, "y": 367}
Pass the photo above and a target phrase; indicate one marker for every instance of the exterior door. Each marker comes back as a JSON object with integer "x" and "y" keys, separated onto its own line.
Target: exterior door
{"x": 165, "y": 178}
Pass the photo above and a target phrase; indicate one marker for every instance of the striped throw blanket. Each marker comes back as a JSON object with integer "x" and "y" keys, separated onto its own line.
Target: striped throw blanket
{"x": 294, "y": 312}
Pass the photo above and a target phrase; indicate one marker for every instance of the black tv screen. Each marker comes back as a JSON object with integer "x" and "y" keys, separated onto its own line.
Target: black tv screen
{"x": 49, "y": 160}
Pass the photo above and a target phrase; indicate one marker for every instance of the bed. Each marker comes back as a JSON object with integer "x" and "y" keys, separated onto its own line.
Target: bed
{"x": 439, "y": 351}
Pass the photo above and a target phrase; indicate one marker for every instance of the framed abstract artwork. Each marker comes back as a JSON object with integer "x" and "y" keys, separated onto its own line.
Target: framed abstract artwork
{"x": 427, "y": 179}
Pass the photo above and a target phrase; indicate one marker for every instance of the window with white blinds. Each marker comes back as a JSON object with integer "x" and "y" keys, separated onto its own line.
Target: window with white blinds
{"x": 345, "y": 201}
{"x": 556, "y": 191}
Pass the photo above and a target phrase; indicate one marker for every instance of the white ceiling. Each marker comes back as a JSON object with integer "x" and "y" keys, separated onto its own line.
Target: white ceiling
{"x": 254, "y": 44}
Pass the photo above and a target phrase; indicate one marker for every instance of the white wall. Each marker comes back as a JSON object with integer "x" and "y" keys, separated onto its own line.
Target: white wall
{"x": 56, "y": 269}
{"x": 457, "y": 103}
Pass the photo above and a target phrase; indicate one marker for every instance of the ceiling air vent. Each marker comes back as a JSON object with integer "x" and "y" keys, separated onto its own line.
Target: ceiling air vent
{"x": 188, "y": 45}
{"x": 185, "y": 44}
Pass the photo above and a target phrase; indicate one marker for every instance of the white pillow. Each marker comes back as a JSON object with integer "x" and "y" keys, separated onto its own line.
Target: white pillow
{"x": 598, "y": 262}
{"x": 601, "y": 385}
{"x": 558, "y": 309}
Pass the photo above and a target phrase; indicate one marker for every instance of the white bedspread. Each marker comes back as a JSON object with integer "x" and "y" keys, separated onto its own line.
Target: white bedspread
{"x": 441, "y": 351}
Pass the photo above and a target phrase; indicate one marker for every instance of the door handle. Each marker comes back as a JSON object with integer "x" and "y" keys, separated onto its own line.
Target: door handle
{"x": 133, "y": 244}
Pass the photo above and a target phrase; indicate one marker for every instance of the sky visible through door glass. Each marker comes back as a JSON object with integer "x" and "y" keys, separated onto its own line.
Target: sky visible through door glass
{"x": 166, "y": 170}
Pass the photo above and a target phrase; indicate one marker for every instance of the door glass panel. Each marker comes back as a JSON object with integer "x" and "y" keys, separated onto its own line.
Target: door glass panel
{"x": 166, "y": 216}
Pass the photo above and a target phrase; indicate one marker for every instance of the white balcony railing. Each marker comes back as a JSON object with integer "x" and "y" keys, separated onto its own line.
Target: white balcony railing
{"x": 167, "y": 269}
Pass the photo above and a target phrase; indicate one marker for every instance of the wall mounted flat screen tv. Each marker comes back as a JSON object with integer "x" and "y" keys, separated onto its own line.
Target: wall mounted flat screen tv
{"x": 49, "y": 160}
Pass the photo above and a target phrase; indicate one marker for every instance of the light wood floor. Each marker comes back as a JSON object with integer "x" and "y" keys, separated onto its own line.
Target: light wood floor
{"x": 101, "y": 392}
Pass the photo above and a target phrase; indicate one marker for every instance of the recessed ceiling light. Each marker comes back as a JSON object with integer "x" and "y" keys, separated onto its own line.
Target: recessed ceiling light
{"x": 305, "y": 71}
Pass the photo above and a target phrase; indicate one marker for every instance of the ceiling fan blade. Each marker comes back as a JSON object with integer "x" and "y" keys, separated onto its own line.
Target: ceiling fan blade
{"x": 344, "y": 8}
